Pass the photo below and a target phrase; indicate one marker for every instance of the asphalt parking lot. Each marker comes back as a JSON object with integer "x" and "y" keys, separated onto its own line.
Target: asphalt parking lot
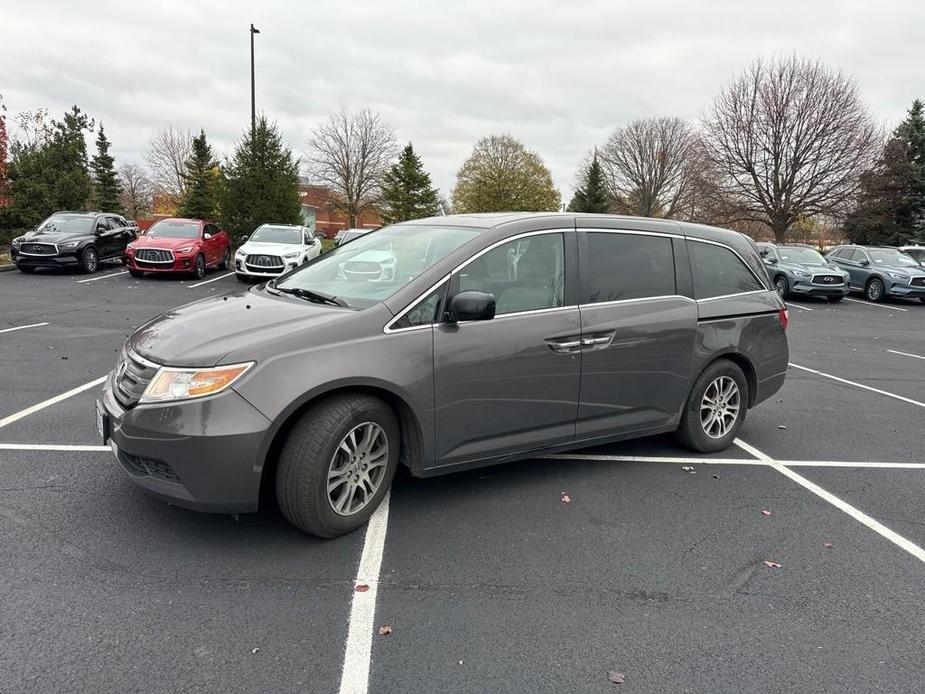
{"x": 490, "y": 582}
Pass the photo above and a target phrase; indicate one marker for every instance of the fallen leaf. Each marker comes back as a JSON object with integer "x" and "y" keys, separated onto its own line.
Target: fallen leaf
{"x": 566, "y": 499}
{"x": 255, "y": 650}
{"x": 781, "y": 426}
{"x": 765, "y": 512}
{"x": 385, "y": 630}
{"x": 827, "y": 545}
{"x": 361, "y": 588}
{"x": 772, "y": 564}
{"x": 615, "y": 677}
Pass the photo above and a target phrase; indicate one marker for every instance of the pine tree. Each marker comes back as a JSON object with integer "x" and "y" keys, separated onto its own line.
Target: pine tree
{"x": 407, "y": 192}
{"x": 592, "y": 195}
{"x": 261, "y": 182}
{"x": 107, "y": 190}
{"x": 201, "y": 197}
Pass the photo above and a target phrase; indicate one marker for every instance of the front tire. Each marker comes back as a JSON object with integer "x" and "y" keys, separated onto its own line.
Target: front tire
{"x": 874, "y": 290}
{"x": 199, "y": 267}
{"x": 337, "y": 464}
{"x": 26, "y": 269}
{"x": 715, "y": 409}
{"x": 782, "y": 287}
{"x": 835, "y": 299}
{"x": 90, "y": 260}
{"x": 135, "y": 273}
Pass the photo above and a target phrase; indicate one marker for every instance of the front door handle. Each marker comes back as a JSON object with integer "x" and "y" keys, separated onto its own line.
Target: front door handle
{"x": 564, "y": 345}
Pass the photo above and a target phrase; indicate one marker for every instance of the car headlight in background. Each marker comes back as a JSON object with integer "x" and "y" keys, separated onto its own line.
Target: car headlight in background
{"x": 899, "y": 276}
{"x": 69, "y": 244}
{"x": 240, "y": 252}
{"x": 185, "y": 384}
{"x": 292, "y": 255}
{"x": 16, "y": 241}
{"x": 185, "y": 249}
{"x": 800, "y": 273}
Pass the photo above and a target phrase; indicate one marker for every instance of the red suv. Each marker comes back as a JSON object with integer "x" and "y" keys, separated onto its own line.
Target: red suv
{"x": 179, "y": 245}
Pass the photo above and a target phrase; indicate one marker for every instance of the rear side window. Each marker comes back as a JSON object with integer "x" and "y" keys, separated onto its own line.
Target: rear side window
{"x": 718, "y": 271}
{"x": 629, "y": 266}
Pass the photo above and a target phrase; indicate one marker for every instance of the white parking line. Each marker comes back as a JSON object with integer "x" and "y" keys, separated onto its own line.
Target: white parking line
{"x": 214, "y": 279}
{"x": 23, "y": 327}
{"x": 51, "y": 401}
{"x": 354, "y": 677}
{"x": 103, "y": 277}
{"x": 859, "y": 385}
{"x": 891, "y": 351}
{"x": 730, "y": 461}
{"x": 53, "y": 447}
{"x": 868, "y": 303}
{"x": 792, "y": 305}
{"x": 841, "y": 505}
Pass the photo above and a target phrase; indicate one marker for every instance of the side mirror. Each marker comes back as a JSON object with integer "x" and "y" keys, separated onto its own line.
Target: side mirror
{"x": 472, "y": 305}
{"x": 771, "y": 261}
{"x": 206, "y": 235}
{"x": 99, "y": 229}
{"x": 244, "y": 238}
{"x": 865, "y": 261}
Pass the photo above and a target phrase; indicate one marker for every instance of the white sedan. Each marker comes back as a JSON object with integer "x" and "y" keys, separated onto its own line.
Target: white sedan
{"x": 274, "y": 249}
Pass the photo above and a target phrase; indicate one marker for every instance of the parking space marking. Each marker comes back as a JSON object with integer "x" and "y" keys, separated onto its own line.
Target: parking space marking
{"x": 793, "y": 305}
{"x": 891, "y": 351}
{"x": 53, "y": 447}
{"x": 358, "y": 648}
{"x": 670, "y": 460}
{"x": 51, "y": 401}
{"x": 23, "y": 327}
{"x": 841, "y": 505}
{"x": 214, "y": 279}
{"x": 868, "y": 303}
{"x": 103, "y": 277}
{"x": 859, "y": 385}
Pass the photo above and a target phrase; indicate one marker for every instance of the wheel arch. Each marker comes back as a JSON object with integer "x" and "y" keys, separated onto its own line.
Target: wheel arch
{"x": 744, "y": 363}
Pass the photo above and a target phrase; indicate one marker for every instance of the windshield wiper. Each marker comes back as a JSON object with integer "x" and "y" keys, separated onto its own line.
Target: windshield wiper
{"x": 311, "y": 295}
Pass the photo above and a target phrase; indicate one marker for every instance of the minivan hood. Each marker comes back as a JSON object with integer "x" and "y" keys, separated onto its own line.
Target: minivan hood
{"x": 204, "y": 332}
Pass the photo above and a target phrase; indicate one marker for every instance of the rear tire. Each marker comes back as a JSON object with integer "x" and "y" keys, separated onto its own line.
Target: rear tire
{"x": 715, "y": 409}
{"x": 317, "y": 454}
{"x": 89, "y": 260}
{"x": 226, "y": 260}
{"x": 782, "y": 287}
{"x": 874, "y": 290}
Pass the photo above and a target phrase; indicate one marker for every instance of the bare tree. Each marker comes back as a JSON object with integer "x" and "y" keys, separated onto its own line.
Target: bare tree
{"x": 168, "y": 152}
{"x": 789, "y": 139}
{"x": 646, "y": 165}
{"x": 351, "y": 153}
{"x": 137, "y": 190}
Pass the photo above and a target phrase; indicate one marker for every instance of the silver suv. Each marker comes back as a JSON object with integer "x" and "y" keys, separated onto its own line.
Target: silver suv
{"x": 492, "y": 338}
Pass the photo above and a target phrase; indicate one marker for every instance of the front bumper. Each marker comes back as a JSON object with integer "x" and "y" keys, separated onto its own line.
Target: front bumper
{"x": 241, "y": 268}
{"x": 905, "y": 291}
{"x": 61, "y": 260}
{"x": 204, "y": 454}
{"x": 181, "y": 263}
{"x": 808, "y": 288}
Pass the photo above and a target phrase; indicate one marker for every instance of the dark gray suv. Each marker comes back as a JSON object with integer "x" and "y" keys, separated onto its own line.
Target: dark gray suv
{"x": 801, "y": 270}
{"x": 880, "y": 272}
{"x": 491, "y": 338}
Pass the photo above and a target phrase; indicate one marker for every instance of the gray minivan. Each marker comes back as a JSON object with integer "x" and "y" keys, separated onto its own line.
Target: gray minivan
{"x": 493, "y": 337}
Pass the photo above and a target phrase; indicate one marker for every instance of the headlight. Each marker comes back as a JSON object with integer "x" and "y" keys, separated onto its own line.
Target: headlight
{"x": 240, "y": 251}
{"x": 130, "y": 247}
{"x": 16, "y": 241}
{"x": 899, "y": 276}
{"x": 184, "y": 384}
{"x": 293, "y": 255}
{"x": 185, "y": 249}
{"x": 800, "y": 273}
{"x": 70, "y": 244}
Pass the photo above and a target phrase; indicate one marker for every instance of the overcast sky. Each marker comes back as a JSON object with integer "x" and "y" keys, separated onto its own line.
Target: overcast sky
{"x": 557, "y": 75}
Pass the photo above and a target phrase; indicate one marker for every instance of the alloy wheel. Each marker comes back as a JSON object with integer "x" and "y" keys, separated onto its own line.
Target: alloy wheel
{"x": 200, "y": 267}
{"x": 874, "y": 290}
{"x": 719, "y": 407}
{"x": 357, "y": 468}
{"x": 781, "y": 286}
{"x": 91, "y": 260}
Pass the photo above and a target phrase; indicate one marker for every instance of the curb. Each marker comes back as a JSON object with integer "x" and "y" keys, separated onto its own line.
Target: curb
{"x": 7, "y": 268}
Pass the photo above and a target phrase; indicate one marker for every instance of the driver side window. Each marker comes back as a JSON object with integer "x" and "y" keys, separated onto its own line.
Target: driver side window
{"x": 526, "y": 274}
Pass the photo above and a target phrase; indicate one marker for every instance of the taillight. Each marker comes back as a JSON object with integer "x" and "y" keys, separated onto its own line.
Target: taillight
{"x": 783, "y": 316}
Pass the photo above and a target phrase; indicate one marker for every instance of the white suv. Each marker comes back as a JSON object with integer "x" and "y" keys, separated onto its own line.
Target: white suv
{"x": 274, "y": 249}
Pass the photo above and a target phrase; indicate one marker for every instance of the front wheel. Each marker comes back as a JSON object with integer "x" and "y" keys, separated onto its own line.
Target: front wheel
{"x": 783, "y": 289}
{"x": 715, "y": 409}
{"x": 337, "y": 464}
{"x": 90, "y": 260}
{"x": 874, "y": 290}
{"x": 199, "y": 267}
{"x": 226, "y": 260}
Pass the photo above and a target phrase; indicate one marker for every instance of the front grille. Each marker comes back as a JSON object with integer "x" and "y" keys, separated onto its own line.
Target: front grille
{"x": 148, "y": 467}
{"x": 828, "y": 280}
{"x": 362, "y": 268}
{"x": 38, "y": 249}
{"x": 918, "y": 282}
{"x": 133, "y": 374}
{"x": 154, "y": 255}
{"x": 265, "y": 263}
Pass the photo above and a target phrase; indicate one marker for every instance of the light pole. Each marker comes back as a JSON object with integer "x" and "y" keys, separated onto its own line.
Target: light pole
{"x": 253, "y": 100}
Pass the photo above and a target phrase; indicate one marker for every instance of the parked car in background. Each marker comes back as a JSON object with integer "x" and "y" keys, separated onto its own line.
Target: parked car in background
{"x": 345, "y": 235}
{"x": 320, "y": 383}
{"x": 73, "y": 239}
{"x": 273, "y": 249}
{"x": 801, "y": 270}
{"x": 917, "y": 252}
{"x": 179, "y": 246}
{"x": 880, "y": 272}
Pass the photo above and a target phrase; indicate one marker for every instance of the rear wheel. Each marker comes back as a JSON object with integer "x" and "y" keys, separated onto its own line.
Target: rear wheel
{"x": 782, "y": 287}
{"x": 199, "y": 267}
{"x": 226, "y": 260}
{"x": 90, "y": 260}
{"x": 874, "y": 290}
{"x": 715, "y": 408}
{"x": 337, "y": 464}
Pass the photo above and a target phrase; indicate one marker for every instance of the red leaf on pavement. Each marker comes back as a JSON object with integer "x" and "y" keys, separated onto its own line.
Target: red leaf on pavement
{"x": 827, "y": 545}
{"x": 361, "y": 588}
{"x": 615, "y": 677}
{"x": 385, "y": 630}
{"x": 566, "y": 499}
{"x": 772, "y": 564}
{"x": 765, "y": 512}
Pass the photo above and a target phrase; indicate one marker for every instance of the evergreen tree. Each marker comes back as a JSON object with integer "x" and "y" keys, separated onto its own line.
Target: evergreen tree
{"x": 261, "y": 182}
{"x": 890, "y": 206}
{"x": 200, "y": 201}
{"x": 107, "y": 190}
{"x": 591, "y": 196}
{"x": 407, "y": 192}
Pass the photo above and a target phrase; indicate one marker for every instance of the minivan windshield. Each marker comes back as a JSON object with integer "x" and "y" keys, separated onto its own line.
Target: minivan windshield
{"x": 174, "y": 230}
{"x": 891, "y": 256}
{"x": 805, "y": 256}
{"x": 268, "y": 234}
{"x": 376, "y": 265}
